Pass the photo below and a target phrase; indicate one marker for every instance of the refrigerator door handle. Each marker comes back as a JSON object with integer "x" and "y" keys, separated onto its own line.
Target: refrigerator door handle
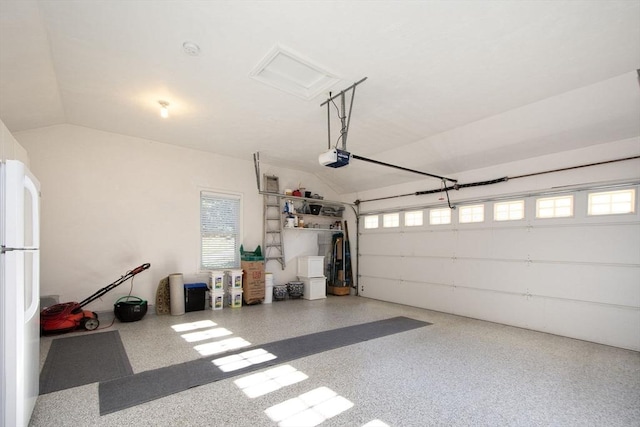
{"x": 34, "y": 194}
{"x": 32, "y": 310}
{"x": 31, "y": 188}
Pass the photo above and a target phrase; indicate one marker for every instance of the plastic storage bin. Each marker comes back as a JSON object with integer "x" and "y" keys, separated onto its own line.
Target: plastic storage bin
{"x": 311, "y": 266}
{"x": 194, "y": 296}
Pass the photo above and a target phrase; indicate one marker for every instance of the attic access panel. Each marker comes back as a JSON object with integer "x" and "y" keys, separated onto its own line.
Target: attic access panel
{"x": 288, "y": 71}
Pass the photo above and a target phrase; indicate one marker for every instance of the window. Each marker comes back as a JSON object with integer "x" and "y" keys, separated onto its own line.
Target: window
{"x": 371, "y": 221}
{"x": 508, "y": 211}
{"x": 473, "y": 213}
{"x": 219, "y": 231}
{"x": 612, "y": 202}
{"x": 554, "y": 207}
{"x": 413, "y": 219}
{"x": 440, "y": 216}
{"x": 391, "y": 220}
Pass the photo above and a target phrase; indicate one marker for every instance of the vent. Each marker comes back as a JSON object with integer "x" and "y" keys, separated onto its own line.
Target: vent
{"x": 287, "y": 71}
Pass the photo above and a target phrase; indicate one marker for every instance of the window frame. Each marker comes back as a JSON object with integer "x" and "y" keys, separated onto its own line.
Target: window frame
{"x": 439, "y": 210}
{"x": 472, "y": 221}
{"x": 237, "y": 234}
{"x": 413, "y": 214}
{"x": 396, "y": 221}
{"x": 376, "y": 216}
{"x": 570, "y": 197}
{"x": 509, "y": 204}
{"x": 632, "y": 202}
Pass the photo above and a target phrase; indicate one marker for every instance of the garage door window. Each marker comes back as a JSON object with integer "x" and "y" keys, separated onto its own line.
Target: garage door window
{"x": 554, "y": 207}
{"x": 413, "y": 219}
{"x": 474, "y": 213}
{"x": 440, "y": 216}
{"x": 508, "y": 211}
{"x": 391, "y": 220}
{"x": 371, "y": 221}
{"x": 612, "y": 202}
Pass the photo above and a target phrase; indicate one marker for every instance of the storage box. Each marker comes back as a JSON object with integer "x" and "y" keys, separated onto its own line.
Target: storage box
{"x": 253, "y": 282}
{"x": 217, "y": 281}
{"x": 233, "y": 279}
{"x": 311, "y": 266}
{"x": 194, "y": 296}
{"x": 314, "y": 287}
{"x": 234, "y": 298}
{"x": 216, "y": 300}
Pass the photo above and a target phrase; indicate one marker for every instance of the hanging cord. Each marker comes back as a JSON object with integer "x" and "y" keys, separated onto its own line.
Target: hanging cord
{"x": 114, "y": 316}
{"x": 339, "y": 118}
{"x": 449, "y": 201}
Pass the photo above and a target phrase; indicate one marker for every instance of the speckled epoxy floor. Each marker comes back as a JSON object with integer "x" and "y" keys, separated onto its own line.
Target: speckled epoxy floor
{"x": 456, "y": 372}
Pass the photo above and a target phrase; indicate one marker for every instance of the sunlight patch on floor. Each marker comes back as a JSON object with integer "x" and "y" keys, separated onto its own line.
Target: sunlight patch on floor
{"x": 309, "y": 409}
{"x": 262, "y": 383}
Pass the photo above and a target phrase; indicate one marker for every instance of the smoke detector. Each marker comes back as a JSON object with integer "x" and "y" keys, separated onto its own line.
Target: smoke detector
{"x": 191, "y": 48}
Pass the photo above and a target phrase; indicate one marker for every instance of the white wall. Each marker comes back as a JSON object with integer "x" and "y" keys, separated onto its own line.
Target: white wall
{"x": 10, "y": 149}
{"x": 578, "y": 277}
{"x": 112, "y": 202}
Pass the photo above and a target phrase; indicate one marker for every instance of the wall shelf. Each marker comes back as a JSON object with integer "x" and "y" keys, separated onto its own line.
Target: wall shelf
{"x": 313, "y": 229}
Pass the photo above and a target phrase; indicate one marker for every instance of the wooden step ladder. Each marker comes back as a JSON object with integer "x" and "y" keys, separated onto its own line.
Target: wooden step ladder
{"x": 272, "y": 242}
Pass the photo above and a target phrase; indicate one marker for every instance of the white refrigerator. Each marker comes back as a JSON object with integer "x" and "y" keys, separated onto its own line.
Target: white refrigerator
{"x": 19, "y": 293}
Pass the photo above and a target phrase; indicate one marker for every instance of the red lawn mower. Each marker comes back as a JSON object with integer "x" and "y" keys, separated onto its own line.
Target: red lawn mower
{"x": 69, "y": 316}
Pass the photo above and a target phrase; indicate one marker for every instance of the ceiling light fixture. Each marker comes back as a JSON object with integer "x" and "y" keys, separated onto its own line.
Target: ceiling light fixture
{"x": 164, "y": 109}
{"x": 191, "y": 48}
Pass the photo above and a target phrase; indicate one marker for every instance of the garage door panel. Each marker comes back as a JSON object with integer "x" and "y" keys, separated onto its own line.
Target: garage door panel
{"x": 605, "y": 244}
{"x": 432, "y": 243}
{"x": 379, "y": 266}
{"x": 474, "y": 243}
{"x": 382, "y": 243}
{"x": 594, "y": 322}
{"x": 596, "y": 283}
{"x": 494, "y": 307}
{"x": 435, "y": 270}
{"x": 510, "y": 243}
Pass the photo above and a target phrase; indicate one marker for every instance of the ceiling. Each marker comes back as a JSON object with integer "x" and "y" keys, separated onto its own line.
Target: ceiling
{"x": 451, "y": 86}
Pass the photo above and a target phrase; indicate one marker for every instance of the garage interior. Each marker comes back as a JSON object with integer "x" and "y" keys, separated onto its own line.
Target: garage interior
{"x": 483, "y": 137}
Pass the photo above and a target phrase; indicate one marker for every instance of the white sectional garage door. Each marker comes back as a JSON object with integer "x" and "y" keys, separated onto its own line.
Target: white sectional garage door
{"x": 577, "y": 276}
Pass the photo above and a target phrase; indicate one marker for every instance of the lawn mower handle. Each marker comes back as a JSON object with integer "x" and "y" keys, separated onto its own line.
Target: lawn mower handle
{"x": 140, "y": 269}
{"x": 122, "y": 279}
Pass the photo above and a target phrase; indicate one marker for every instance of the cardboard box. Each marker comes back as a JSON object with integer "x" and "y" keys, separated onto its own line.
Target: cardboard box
{"x": 253, "y": 282}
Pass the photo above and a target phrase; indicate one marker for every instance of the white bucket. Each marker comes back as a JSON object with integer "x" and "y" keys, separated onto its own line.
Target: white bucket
{"x": 216, "y": 301}
{"x": 268, "y": 288}
{"x": 217, "y": 281}
{"x": 234, "y": 279}
{"x": 234, "y": 298}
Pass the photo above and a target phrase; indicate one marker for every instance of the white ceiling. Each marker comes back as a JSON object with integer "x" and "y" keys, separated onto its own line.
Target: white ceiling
{"x": 452, "y": 85}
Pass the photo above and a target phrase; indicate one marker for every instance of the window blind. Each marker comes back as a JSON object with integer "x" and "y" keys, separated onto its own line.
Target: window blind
{"x": 219, "y": 231}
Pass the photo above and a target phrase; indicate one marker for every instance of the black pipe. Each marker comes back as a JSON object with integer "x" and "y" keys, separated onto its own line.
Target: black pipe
{"x": 494, "y": 181}
{"x": 377, "y": 162}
